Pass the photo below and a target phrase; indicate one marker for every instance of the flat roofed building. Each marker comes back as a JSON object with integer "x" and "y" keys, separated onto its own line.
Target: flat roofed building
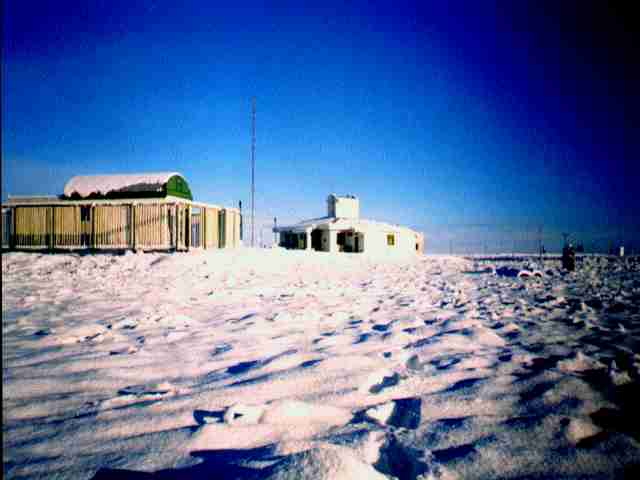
{"x": 342, "y": 230}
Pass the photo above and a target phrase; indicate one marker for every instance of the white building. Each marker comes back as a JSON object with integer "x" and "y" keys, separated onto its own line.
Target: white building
{"x": 342, "y": 230}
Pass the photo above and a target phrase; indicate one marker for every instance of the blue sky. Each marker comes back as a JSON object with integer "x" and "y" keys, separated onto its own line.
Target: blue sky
{"x": 439, "y": 115}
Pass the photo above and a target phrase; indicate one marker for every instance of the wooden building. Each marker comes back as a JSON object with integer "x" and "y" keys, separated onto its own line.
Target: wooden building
{"x": 111, "y": 212}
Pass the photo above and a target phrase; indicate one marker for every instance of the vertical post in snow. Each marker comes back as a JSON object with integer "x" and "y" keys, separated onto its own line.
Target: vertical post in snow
{"x": 189, "y": 226}
{"x": 240, "y": 208}
{"x": 253, "y": 169}
{"x": 93, "y": 227}
{"x": 540, "y": 243}
{"x": 13, "y": 239}
{"x": 275, "y": 234}
{"x": 133, "y": 226}
{"x": 203, "y": 227}
{"x": 53, "y": 228}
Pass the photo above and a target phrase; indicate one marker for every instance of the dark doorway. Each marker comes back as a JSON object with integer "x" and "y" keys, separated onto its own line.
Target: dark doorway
{"x": 341, "y": 240}
{"x": 316, "y": 239}
{"x": 85, "y": 226}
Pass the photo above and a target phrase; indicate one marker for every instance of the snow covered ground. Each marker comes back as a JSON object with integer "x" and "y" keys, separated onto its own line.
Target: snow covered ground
{"x": 290, "y": 364}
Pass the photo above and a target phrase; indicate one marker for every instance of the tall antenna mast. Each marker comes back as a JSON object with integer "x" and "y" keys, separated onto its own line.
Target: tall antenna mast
{"x": 253, "y": 170}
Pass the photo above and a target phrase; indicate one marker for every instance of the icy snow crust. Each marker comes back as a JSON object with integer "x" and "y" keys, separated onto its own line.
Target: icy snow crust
{"x": 289, "y": 364}
{"x": 103, "y": 184}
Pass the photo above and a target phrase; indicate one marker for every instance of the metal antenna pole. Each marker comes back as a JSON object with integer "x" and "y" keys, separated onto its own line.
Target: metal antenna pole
{"x": 540, "y": 243}
{"x": 253, "y": 170}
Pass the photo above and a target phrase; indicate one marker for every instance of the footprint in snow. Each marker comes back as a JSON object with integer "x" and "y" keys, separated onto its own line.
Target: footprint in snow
{"x": 220, "y": 349}
{"x": 124, "y": 324}
{"x": 381, "y": 327}
{"x": 404, "y": 413}
{"x": 286, "y": 412}
{"x": 445, "y": 363}
{"x": 242, "y": 367}
{"x": 138, "y": 395}
{"x": 147, "y": 389}
{"x": 376, "y": 382}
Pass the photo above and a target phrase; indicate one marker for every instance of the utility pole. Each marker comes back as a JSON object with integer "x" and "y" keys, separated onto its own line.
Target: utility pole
{"x": 253, "y": 170}
{"x": 540, "y": 242}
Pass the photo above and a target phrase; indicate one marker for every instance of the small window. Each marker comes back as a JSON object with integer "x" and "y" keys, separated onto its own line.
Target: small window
{"x": 391, "y": 240}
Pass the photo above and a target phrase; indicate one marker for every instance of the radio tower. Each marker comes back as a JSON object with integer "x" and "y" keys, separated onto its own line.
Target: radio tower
{"x": 253, "y": 169}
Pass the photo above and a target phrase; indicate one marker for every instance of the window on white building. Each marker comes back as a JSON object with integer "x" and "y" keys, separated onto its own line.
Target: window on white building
{"x": 391, "y": 240}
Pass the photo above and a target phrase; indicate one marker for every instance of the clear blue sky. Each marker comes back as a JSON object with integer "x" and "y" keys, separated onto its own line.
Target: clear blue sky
{"x": 436, "y": 115}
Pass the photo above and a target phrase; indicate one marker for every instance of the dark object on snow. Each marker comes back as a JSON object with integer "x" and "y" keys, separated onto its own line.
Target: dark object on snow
{"x": 488, "y": 269}
{"x": 507, "y": 272}
{"x": 569, "y": 258}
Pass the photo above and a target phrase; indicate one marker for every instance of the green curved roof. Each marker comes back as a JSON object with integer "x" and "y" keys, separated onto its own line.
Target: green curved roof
{"x": 177, "y": 186}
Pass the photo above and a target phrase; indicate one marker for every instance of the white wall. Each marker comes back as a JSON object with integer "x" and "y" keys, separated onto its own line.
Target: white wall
{"x": 375, "y": 241}
{"x": 343, "y": 207}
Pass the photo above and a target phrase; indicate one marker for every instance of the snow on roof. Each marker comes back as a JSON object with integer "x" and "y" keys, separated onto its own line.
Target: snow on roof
{"x": 364, "y": 224}
{"x": 22, "y": 199}
{"x": 340, "y": 224}
{"x": 301, "y": 226}
{"x": 85, "y": 186}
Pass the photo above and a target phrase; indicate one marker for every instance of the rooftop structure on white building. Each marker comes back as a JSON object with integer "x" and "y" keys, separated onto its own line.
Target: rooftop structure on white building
{"x": 342, "y": 230}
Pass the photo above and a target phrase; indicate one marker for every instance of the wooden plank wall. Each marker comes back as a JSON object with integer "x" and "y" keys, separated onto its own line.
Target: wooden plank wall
{"x": 212, "y": 227}
{"x": 222, "y": 227}
{"x": 196, "y": 229}
{"x": 151, "y": 227}
{"x": 230, "y": 228}
{"x": 181, "y": 215}
{"x": 68, "y": 229}
{"x": 141, "y": 226}
{"x": 32, "y": 227}
{"x": 112, "y": 226}
{"x": 236, "y": 235}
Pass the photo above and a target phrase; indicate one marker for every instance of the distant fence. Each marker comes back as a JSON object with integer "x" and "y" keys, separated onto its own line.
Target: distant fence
{"x": 161, "y": 226}
{"x": 488, "y": 239}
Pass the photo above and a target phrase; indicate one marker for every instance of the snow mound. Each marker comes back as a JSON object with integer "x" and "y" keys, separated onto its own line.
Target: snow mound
{"x": 580, "y": 363}
{"x": 292, "y": 412}
{"x": 326, "y": 462}
{"x": 578, "y": 429}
